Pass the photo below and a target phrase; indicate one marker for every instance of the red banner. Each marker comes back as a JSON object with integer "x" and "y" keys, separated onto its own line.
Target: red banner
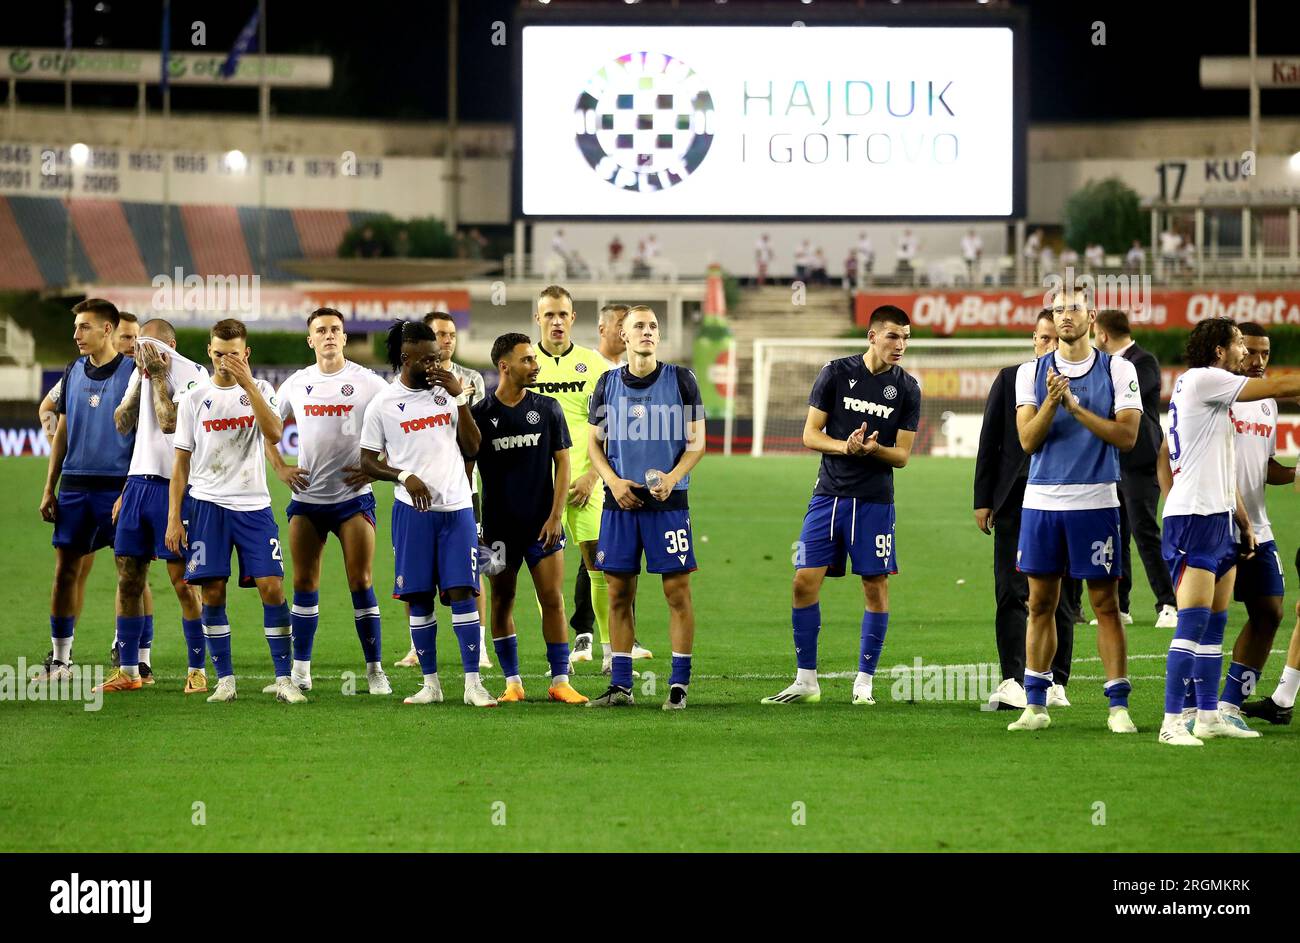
{"x": 952, "y": 312}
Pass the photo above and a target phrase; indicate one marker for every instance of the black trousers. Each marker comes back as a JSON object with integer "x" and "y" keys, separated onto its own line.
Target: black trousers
{"x": 584, "y": 617}
{"x": 1139, "y": 495}
{"x": 1012, "y": 592}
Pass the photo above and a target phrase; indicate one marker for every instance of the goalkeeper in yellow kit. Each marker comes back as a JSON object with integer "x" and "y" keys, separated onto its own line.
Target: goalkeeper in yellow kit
{"x": 568, "y": 374}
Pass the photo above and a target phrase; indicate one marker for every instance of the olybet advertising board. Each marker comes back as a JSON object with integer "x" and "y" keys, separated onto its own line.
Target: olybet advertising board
{"x": 835, "y": 121}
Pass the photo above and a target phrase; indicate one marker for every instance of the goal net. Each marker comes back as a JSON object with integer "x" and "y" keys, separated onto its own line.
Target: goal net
{"x": 955, "y": 377}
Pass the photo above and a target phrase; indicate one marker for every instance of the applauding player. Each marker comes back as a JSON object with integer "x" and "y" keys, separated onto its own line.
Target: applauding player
{"x": 646, "y": 434}
{"x": 330, "y": 494}
{"x": 220, "y": 430}
{"x": 858, "y": 461}
{"x": 425, "y": 435}
{"x": 1076, "y": 408}
{"x": 524, "y": 436}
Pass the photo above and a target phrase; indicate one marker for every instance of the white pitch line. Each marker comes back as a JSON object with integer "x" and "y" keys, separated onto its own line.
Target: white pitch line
{"x": 828, "y": 675}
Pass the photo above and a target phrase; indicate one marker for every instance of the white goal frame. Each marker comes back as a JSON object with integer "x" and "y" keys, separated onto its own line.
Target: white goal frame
{"x": 763, "y": 360}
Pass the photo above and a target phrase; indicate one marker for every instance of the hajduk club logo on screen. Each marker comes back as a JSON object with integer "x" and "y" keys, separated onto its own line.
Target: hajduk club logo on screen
{"x": 645, "y": 121}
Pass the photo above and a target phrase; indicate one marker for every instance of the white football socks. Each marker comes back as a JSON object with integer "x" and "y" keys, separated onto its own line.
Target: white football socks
{"x": 146, "y": 657}
{"x": 555, "y": 679}
{"x": 806, "y": 677}
{"x": 1287, "y": 687}
{"x": 62, "y": 649}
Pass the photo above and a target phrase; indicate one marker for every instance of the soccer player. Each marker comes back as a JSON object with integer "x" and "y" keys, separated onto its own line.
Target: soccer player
{"x": 88, "y": 465}
{"x": 613, "y": 348}
{"x": 1001, "y": 474}
{"x": 1279, "y": 706}
{"x": 48, "y": 414}
{"x": 1197, "y": 542}
{"x": 646, "y": 434}
{"x": 1259, "y": 584}
{"x": 142, "y": 520}
{"x": 859, "y": 456}
{"x": 221, "y": 428}
{"x": 471, "y": 381}
{"x": 524, "y": 461}
{"x": 1076, "y": 409}
{"x": 425, "y": 432}
{"x": 330, "y": 495}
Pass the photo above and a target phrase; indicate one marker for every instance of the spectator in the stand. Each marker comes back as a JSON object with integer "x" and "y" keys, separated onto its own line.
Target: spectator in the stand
{"x": 851, "y": 268}
{"x": 1046, "y": 261}
{"x": 908, "y": 246}
{"x": 1032, "y": 251}
{"x": 1069, "y": 259}
{"x": 819, "y": 267}
{"x": 1170, "y": 246}
{"x": 1094, "y": 255}
{"x": 972, "y": 247}
{"x": 615, "y": 252}
{"x": 368, "y": 247}
{"x": 639, "y": 267}
{"x": 1136, "y": 259}
{"x": 1188, "y": 256}
{"x": 866, "y": 253}
{"x": 402, "y": 247}
{"x": 652, "y": 252}
{"x": 802, "y": 261}
{"x": 763, "y": 254}
{"x": 477, "y": 244}
{"x": 557, "y": 245}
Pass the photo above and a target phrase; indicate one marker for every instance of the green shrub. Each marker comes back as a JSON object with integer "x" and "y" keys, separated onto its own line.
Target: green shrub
{"x": 1105, "y": 211}
{"x": 429, "y": 238}
{"x": 272, "y": 348}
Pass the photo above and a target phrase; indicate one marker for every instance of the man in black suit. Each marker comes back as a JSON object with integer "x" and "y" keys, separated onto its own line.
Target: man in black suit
{"x": 1001, "y": 473}
{"x": 1139, "y": 491}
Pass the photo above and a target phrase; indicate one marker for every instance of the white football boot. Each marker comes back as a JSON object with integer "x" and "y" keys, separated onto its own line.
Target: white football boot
{"x": 225, "y": 690}
{"x": 410, "y": 660}
{"x": 1056, "y": 696}
{"x": 1032, "y": 719}
{"x": 377, "y": 681}
{"x": 430, "y": 693}
{"x": 1222, "y": 727}
{"x": 1124, "y": 619}
{"x": 862, "y": 693}
{"x": 287, "y": 691}
{"x": 1175, "y": 734}
{"x": 477, "y": 696}
{"x": 1008, "y": 693}
{"x": 797, "y": 693}
{"x": 1168, "y": 618}
{"x": 1120, "y": 722}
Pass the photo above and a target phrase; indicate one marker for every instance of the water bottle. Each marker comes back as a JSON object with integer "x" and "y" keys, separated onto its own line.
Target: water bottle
{"x": 653, "y": 477}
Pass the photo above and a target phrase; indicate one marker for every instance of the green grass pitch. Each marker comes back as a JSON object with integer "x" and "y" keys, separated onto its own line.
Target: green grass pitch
{"x": 359, "y": 773}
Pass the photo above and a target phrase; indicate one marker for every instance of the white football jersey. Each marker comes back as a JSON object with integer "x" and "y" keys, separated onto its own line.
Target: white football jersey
{"x": 1201, "y": 447}
{"x": 227, "y": 463}
{"x": 154, "y": 453}
{"x": 416, "y": 430}
{"x": 1255, "y": 442}
{"x": 329, "y": 409}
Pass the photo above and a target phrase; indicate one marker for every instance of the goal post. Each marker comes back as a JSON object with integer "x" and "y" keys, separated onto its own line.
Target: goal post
{"x": 955, "y": 377}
